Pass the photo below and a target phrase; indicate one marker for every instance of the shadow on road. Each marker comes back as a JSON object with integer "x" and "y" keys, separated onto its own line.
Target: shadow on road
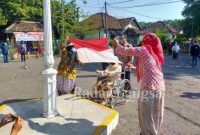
{"x": 16, "y": 100}
{"x": 69, "y": 126}
{"x": 75, "y": 126}
{"x": 190, "y": 95}
{"x": 183, "y": 117}
{"x": 174, "y": 69}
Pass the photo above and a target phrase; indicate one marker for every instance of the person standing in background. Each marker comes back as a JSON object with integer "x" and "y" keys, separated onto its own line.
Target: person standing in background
{"x": 23, "y": 50}
{"x": 5, "y": 48}
{"x": 194, "y": 52}
{"x": 125, "y": 60}
{"x": 170, "y": 48}
{"x": 175, "y": 50}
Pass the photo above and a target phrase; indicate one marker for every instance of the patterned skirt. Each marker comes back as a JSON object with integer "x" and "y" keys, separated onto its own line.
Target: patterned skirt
{"x": 150, "y": 111}
{"x": 102, "y": 89}
{"x": 64, "y": 85}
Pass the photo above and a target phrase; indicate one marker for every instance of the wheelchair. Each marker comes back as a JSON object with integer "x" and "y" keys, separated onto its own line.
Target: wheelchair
{"x": 120, "y": 90}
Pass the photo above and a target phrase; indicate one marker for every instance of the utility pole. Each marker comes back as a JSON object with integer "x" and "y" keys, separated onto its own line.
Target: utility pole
{"x": 63, "y": 19}
{"x": 77, "y": 14}
{"x": 192, "y": 31}
{"x": 105, "y": 4}
{"x": 49, "y": 74}
{"x": 77, "y": 17}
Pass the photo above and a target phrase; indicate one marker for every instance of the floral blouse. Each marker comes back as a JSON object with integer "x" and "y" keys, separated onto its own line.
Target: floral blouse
{"x": 64, "y": 69}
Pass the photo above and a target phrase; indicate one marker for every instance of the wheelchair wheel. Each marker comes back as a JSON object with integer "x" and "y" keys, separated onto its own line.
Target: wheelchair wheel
{"x": 125, "y": 88}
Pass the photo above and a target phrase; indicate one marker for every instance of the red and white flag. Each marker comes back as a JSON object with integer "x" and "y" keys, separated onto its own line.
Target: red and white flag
{"x": 95, "y": 50}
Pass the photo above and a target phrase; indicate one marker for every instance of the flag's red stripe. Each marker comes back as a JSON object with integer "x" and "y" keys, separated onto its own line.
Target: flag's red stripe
{"x": 95, "y": 44}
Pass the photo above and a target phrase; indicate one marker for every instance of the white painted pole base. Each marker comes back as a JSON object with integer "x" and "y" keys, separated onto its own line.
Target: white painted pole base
{"x": 50, "y": 93}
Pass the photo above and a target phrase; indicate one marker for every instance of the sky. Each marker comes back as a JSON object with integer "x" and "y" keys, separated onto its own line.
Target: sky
{"x": 145, "y": 13}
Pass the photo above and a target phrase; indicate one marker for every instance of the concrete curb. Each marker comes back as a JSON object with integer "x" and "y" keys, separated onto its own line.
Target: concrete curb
{"x": 106, "y": 126}
{"x": 110, "y": 123}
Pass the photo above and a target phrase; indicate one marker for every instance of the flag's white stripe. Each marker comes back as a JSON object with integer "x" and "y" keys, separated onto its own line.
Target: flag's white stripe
{"x": 88, "y": 55}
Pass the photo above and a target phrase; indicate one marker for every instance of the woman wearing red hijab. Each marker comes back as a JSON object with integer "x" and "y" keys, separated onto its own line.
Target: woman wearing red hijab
{"x": 149, "y": 74}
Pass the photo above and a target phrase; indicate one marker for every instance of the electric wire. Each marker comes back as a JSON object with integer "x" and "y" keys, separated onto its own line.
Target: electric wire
{"x": 151, "y": 4}
{"x": 119, "y": 2}
{"x": 118, "y": 8}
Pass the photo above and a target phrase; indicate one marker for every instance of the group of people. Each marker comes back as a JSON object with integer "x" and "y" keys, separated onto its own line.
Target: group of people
{"x": 24, "y": 48}
{"x": 194, "y": 51}
{"x": 149, "y": 59}
{"x": 5, "y": 51}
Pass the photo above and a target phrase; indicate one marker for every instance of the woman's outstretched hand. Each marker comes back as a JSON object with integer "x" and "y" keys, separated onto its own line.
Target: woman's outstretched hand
{"x": 67, "y": 38}
{"x": 115, "y": 42}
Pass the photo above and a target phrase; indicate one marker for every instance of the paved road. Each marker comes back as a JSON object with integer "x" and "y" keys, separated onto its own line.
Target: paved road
{"x": 182, "y": 93}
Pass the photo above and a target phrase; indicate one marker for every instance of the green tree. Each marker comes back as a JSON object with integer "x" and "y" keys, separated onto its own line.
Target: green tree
{"x": 3, "y": 19}
{"x": 64, "y": 14}
{"x": 180, "y": 38}
{"x": 21, "y": 10}
{"x": 163, "y": 35}
{"x": 191, "y": 13}
{"x": 145, "y": 24}
{"x": 175, "y": 22}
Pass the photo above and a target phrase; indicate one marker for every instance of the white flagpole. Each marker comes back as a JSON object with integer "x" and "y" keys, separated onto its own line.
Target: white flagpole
{"x": 49, "y": 74}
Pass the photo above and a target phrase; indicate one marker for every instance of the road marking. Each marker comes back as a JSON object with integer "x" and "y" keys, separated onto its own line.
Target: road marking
{"x": 2, "y": 107}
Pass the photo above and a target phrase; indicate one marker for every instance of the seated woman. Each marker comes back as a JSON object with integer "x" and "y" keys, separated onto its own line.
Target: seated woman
{"x": 105, "y": 81}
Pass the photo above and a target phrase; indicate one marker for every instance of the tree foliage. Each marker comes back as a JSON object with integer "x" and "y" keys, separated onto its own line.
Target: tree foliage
{"x": 180, "y": 38}
{"x": 21, "y": 10}
{"x": 192, "y": 13}
{"x": 64, "y": 14}
{"x": 175, "y": 22}
{"x": 163, "y": 35}
{"x": 3, "y": 20}
{"x": 145, "y": 24}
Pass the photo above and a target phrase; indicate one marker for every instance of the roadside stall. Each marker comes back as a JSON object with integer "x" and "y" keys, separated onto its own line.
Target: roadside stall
{"x": 34, "y": 42}
{"x": 29, "y": 32}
